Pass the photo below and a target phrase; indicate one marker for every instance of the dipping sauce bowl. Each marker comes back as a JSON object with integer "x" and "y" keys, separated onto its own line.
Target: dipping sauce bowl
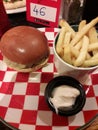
{"x": 64, "y": 95}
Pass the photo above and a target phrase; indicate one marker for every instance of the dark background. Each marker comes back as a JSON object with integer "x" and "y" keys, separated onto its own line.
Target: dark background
{"x": 90, "y": 12}
{"x": 20, "y": 19}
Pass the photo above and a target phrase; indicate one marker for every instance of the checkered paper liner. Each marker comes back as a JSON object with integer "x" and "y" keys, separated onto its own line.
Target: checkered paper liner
{"x": 22, "y": 102}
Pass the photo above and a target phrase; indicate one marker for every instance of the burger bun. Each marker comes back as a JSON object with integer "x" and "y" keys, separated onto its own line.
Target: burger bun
{"x": 24, "y": 48}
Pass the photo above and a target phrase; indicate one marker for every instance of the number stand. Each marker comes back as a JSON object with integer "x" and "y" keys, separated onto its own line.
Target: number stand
{"x": 44, "y": 12}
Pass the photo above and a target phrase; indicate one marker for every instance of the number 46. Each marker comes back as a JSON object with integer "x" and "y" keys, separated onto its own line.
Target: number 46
{"x": 39, "y": 11}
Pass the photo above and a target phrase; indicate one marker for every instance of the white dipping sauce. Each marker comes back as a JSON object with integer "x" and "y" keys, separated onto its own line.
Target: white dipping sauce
{"x": 64, "y": 96}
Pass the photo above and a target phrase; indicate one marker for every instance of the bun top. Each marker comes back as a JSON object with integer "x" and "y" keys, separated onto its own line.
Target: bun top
{"x": 24, "y": 45}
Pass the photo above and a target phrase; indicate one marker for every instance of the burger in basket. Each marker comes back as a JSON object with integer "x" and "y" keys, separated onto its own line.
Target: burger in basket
{"x": 24, "y": 48}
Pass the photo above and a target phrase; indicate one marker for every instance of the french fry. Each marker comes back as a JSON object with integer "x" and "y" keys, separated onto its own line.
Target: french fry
{"x": 73, "y": 60}
{"x": 83, "y": 52}
{"x": 81, "y": 24}
{"x": 78, "y": 45}
{"x": 67, "y": 54}
{"x": 59, "y": 45}
{"x": 83, "y": 31}
{"x": 67, "y": 38}
{"x": 63, "y": 23}
{"x": 95, "y": 51}
{"x": 75, "y": 52}
{"x": 92, "y": 34}
{"x": 88, "y": 56}
{"x": 93, "y": 46}
{"x": 90, "y": 62}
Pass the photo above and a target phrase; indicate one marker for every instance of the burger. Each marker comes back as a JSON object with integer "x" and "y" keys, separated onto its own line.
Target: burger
{"x": 24, "y": 48}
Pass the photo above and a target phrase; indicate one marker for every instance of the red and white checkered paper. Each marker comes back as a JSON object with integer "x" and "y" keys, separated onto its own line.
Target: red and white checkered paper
{"x": 22, "y": 102}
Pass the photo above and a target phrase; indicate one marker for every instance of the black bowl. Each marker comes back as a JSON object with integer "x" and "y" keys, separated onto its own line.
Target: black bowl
{"x": 6, "y": 126}
{"x": 66, "y": 80}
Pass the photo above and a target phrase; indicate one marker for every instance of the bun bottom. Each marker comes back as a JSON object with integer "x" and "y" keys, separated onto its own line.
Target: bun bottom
{"x": 23, "y": 68}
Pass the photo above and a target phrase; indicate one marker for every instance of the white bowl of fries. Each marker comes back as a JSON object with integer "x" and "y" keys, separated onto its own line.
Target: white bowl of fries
{"x": 76, "y": 51}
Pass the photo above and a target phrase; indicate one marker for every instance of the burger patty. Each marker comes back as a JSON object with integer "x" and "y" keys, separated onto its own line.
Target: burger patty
{"x": 21, "y": 66}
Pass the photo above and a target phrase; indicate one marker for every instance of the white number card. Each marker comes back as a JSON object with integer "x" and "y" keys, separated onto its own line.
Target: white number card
{"x": 45, "y": 12}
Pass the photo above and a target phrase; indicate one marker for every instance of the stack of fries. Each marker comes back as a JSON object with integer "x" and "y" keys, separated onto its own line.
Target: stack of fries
{"x": 79, "y": 48}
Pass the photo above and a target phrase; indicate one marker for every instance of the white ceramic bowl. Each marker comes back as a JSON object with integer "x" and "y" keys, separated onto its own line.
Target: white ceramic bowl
{"x": 64, "y": 68}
